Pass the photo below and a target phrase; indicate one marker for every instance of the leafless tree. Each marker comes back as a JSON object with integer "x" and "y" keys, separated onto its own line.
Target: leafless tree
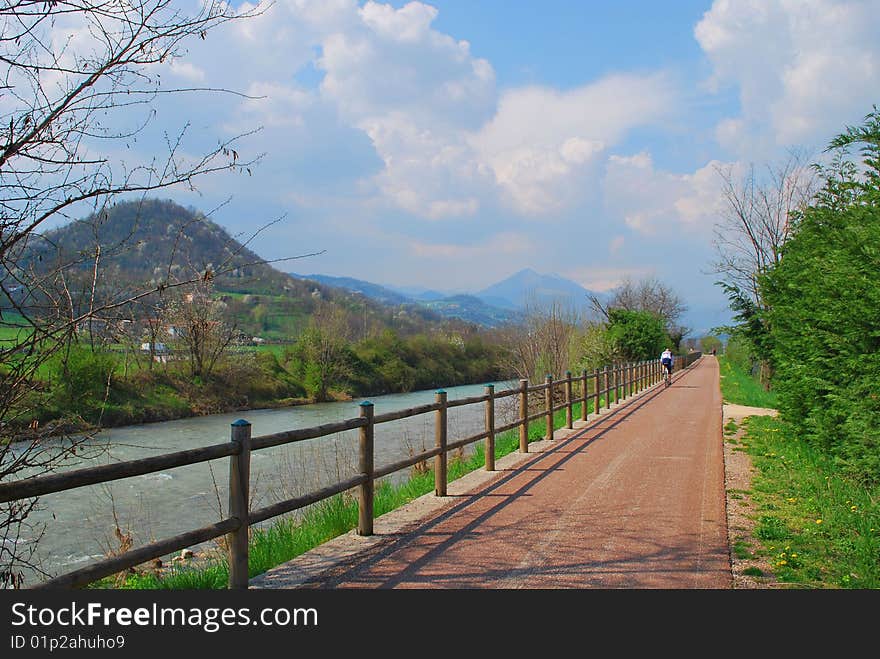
{"x": 542, "y": 343}
{"x": 79, "y": 79}
{"x": 757, "y": 218}
{"x": 760, "y": 208}
{"x": 648, "y": 294}
{"x": 201, "y": 326}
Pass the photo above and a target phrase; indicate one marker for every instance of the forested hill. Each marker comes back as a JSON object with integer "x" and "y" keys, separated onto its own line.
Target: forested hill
{"x": 152, "y": 241}
{"x": 142, "y": 244}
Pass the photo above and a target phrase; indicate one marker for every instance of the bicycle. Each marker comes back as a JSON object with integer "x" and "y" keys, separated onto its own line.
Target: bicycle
{"x": 667, "y": 376}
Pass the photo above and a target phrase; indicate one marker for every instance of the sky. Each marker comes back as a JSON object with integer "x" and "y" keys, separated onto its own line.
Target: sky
{"x": 450, "y": 143}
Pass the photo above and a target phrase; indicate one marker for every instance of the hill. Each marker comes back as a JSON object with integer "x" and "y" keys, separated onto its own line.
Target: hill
{"x": 141, "y": 244}
{"x": 374, "y": 291}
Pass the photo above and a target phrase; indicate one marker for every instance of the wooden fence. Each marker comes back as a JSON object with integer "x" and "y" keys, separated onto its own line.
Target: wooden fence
{"x": 618, "y": 382}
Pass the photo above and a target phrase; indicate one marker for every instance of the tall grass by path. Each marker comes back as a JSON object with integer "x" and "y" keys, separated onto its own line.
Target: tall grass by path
{"x": 740, "y": 388}
{"x": 815, "y": 527}
{"x": 289, "y": 537}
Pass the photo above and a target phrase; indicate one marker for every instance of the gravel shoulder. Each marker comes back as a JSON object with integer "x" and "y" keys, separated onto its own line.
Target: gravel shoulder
{"x": 740, "y": 517}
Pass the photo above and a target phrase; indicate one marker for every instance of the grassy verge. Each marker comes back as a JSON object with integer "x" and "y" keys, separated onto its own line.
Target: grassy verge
{"x": 740, "y": 388}
{"x": 814, "y": 527}
{"x": 290, "y": 537}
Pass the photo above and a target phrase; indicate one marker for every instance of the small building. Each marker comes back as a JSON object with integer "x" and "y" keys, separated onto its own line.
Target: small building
{"x": 160, "y": 351}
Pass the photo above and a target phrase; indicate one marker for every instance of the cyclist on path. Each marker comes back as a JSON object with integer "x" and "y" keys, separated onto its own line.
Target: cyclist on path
{"x": 666, "y": 360}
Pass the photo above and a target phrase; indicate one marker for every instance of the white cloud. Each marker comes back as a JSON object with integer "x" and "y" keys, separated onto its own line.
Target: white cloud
{"x": 276, "y": 105}
{"x": 654, "y": 202}
{"x": 392, "y": 61}
{"x": 499, "y": 245}
{"x": 601, "y": 279}
{"x": 449, "y": 145}
{"x": 187, "y": 71}
{"x": 542, "y": 142}
{"x": 803, "y": 68}
{"x": 409, "y": 23}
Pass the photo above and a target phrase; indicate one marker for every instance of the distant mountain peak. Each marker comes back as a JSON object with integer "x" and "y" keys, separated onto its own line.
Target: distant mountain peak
{"x": 527, "y": 286}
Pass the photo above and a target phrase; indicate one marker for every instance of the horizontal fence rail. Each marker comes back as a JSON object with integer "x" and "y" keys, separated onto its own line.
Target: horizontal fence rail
{"x": 609, "y": 384}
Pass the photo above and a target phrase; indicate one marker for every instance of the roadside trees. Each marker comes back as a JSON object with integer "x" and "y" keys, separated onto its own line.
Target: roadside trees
{"x": 760, "y": 208}
{"x": 823, "y": 309}
{"x": 648, "y": 295}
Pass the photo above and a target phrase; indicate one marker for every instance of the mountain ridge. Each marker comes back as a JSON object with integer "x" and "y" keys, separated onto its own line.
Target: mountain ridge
{"x": 460, "y": 305}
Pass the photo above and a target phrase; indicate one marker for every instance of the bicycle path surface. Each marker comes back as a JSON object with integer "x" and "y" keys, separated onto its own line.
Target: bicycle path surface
{"x": 633, "y": 498}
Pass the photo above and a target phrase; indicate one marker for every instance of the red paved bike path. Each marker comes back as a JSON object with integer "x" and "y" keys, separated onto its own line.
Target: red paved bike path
{"x": 633, "y": 499}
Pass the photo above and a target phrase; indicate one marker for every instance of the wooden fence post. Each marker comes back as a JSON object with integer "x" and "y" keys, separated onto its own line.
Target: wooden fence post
{"x": 548, "y": 401}
{"x": 524, "y": 415}
{"x": 615, "y": 368}
{"x": 366, "y": 490}
{"x": 606, "y": 387}
{"x": 585, "y": 389}
{"x": 490, "y": 427}
{"x": 239, "y": 502}
{"x": 596, "y": 407}
{"x": 569, "y": 421}
{"x": 440, "y": 438}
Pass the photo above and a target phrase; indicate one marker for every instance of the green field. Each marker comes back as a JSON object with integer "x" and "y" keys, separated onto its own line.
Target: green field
{"x": 13, "y": 328}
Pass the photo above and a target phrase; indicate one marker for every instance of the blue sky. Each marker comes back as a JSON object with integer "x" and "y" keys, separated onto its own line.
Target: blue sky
{"x": 449, "y": 144}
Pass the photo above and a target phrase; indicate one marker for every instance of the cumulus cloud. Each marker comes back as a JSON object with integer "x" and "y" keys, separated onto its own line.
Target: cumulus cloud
{"x": 652, "y": 201}
{"x": 803, "y": 69}
{"x": 542, "y": 142}
{"x": 450, "y": 145}
{"x": 277, "y": 105}
{"x": 393, "y": 61}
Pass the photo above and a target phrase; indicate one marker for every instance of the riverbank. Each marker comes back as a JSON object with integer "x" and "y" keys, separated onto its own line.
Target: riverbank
{"x": 77, "y": 425}
{"x": 90, "y": 394}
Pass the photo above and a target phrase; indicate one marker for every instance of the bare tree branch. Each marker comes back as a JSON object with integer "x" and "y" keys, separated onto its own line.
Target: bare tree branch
{"x": 78, "y": 76}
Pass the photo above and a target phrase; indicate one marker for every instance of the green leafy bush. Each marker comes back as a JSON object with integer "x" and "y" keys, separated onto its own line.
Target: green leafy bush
{"x": 825, "y": 312}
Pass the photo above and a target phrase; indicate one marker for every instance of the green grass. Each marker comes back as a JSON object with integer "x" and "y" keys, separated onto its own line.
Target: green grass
{"x": 289, "y": 537}
{"x": 13, "y": 328}
{"x": 815, "y": 527}
{"x": 740, "y": 388}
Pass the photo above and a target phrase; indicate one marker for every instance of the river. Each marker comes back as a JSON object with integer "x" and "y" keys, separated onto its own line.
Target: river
{"x": 79, "y": 524}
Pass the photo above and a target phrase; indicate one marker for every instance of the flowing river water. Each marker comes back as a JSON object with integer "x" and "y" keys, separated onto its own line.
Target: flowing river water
{"x": 78, "y": 525}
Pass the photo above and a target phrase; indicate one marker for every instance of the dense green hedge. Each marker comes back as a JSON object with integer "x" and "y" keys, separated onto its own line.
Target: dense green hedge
{"x": 824, "y": 311}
